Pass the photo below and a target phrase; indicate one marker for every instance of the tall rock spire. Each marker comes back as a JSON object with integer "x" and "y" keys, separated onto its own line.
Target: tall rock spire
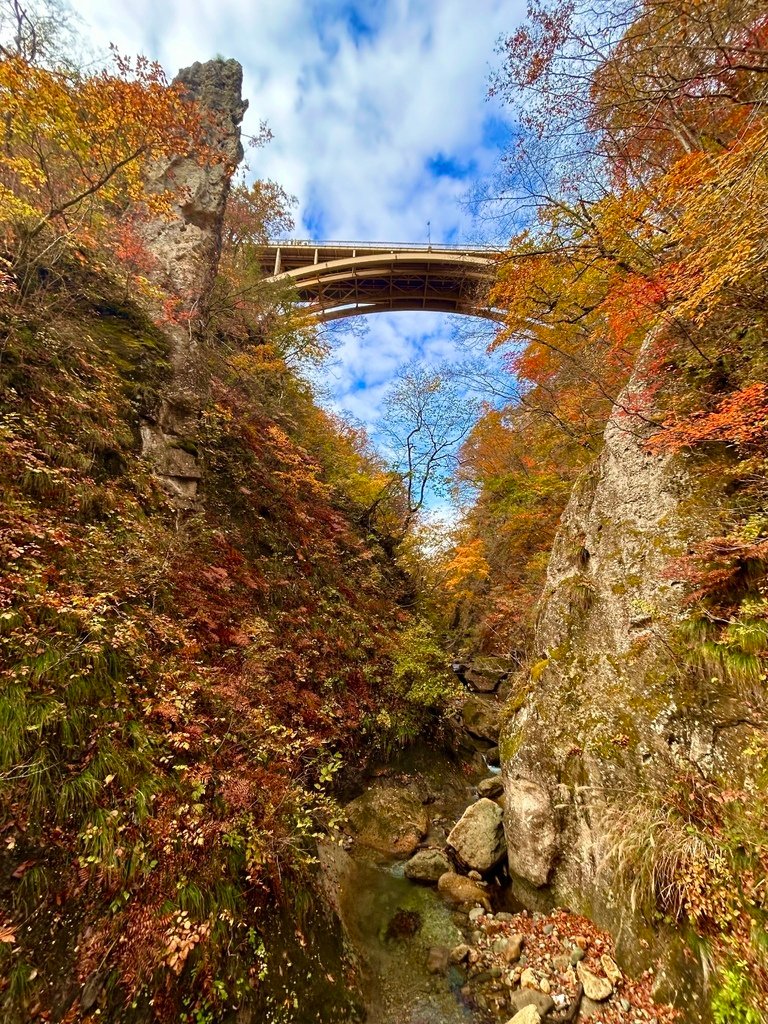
{"x": 186, "y": 246}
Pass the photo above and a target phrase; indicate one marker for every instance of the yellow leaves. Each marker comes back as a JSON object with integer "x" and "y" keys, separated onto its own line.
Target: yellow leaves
{"x": 719, "y": 221}
{"x": 74, "y": 145}
{"x": 467, "y": 565}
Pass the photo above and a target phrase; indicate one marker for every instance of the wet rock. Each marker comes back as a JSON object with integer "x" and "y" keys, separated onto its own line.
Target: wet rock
{"x": 427, "y": 866}
{"x": 458, "y": 889}
{"x": 491, "y": 787}
{"x": 403, "y": 924}
{"x": 388, "y": 818}
{"x": 531, "y": 997}
{"x": 477, "y": 839}
{"x": 531, "y": 832}
{"x": 528, "y": 1015}
{"x": 481, "y": 719}
{"x": 437, "y": 960}
{"x": 597, "y": 989}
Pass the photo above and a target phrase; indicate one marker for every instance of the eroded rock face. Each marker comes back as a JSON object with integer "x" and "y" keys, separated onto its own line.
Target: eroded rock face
{"x": 477, "y": 838}
{"x": 388, "y": 818}
{"x": 186, "y": 247}
{"x": 606, "y": 714}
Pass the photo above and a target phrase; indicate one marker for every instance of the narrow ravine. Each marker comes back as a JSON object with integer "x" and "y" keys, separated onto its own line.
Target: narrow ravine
{"x": 449, "y": 945}
{"x": 400, "y": 929}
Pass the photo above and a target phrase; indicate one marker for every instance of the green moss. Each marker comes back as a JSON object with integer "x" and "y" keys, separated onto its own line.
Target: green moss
{"x": 186, "y": 445}
{"x": 733, "y": 998}
{"x": 510, "y": 746}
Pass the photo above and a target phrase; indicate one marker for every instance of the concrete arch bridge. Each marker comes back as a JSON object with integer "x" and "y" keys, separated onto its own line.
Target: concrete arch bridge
{"x": 341, "y": 279}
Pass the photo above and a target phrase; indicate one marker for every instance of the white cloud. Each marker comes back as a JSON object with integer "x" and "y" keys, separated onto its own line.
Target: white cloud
{"x": 372, "y": 125}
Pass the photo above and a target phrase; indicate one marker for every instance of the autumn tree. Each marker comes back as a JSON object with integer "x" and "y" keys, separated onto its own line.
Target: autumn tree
{"x": 77, "y": 148}
{"x": 636, "y": 192}
{"x": 425, "y": 420}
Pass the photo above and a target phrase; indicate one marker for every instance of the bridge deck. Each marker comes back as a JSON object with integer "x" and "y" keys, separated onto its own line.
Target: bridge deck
{"x": 339, "y": 279}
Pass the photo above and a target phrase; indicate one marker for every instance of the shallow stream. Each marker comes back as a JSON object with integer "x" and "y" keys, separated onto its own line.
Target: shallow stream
{"x": 392, "y": 923}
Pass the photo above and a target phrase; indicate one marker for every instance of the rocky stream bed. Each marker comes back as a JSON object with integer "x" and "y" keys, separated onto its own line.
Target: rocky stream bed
{"x": 419, "y": 882}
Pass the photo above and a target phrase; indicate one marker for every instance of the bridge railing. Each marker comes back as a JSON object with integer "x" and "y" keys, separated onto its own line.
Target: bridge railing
{"x": 300, "y": 243}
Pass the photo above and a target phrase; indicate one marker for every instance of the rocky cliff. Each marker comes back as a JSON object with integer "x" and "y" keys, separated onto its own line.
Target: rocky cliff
{"x": 185, "y": 246}
{"x": 602, "y": 735}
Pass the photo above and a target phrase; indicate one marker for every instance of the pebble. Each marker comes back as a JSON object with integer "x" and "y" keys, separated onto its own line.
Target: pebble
{"x": 548, "y": 929}
{"x": 625, "y": 1005}
{"x": 475, "y": 913}
{"x": 598, "y": 989}
{"x": 459, "y": 953}
{"x": 577, "y": 954}
{"x": 528, "y": 979}
{"x": 545, "y": 986}
{"x": 514, "y": 948}
{"x": 475, "y": 876}
{"x": 612, "y": 971}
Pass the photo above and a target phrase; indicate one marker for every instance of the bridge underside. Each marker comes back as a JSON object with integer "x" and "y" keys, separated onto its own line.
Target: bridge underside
{"x": 337, "y": 280}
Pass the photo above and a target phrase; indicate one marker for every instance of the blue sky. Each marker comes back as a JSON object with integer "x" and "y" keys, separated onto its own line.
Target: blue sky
{"x": 381, "y": 121}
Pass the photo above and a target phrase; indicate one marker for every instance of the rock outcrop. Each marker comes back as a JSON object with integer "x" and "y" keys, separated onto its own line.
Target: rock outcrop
{"x": 597, "y": 728}
{"x": 480, "y": 716}
{"x": 186, "y": 246}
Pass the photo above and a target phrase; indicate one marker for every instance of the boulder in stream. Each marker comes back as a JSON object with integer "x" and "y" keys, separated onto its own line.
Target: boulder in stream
{"x": 477, "y": 838}
{"x": 427, "y": 866}
{"x": 458, "y": 889}
{"x": 388, "y": 818}
{"x": 481, "y": 718}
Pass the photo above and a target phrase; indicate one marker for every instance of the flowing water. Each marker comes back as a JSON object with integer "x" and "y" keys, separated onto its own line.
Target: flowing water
{"x": 392, "y": 923}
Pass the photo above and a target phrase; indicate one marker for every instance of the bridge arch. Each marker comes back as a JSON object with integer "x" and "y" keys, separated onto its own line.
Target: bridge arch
{"x": 342, "y": 279}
